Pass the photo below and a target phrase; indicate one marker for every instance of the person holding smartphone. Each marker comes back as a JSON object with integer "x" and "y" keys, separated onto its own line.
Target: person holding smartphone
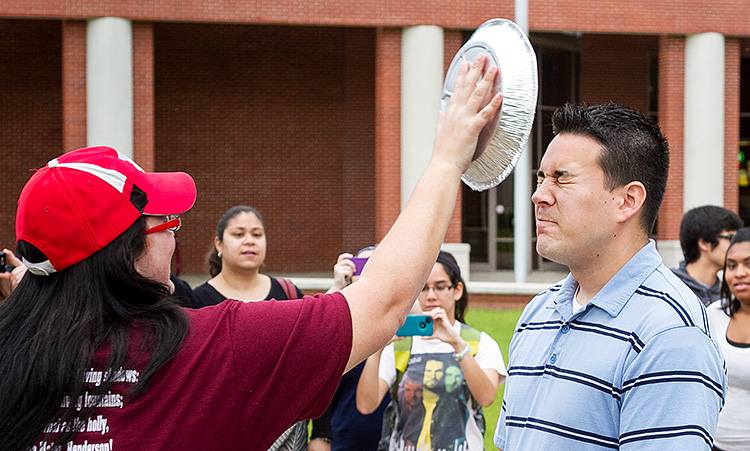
{"x": 438, "y": 383}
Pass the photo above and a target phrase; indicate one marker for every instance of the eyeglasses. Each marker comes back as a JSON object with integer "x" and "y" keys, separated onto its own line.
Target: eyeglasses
{"x": 172, "y": 223}
{"x": 726, "y": 237}
{"x": 439, "y": 287}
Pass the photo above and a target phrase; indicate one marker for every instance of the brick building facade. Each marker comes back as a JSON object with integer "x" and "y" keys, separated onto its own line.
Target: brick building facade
{"x": 294, "y": 107}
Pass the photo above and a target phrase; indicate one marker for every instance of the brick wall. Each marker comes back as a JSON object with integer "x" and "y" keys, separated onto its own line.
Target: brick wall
{"x": 275, "y": 118}
{"x": 641, "y": 16}
{"x": 143, "y": 94}
{"x": 300, "y": 122}
{"x": 387, "y": 129}
{"x": 607, "y": 16}
{"x": 615, "y": 68}
{"x": 358, "y": 137}
{"x": 31, "y": 113}
{"x": 672, "y": 123}
{"x": 732, "y": 53}
{"x": 73, "y": 84}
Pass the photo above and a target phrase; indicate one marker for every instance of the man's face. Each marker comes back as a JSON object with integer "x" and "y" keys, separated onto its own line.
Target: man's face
{"x": 453, "y": 378}
{"x": 433, "y": 373}
{"x": 412, "y": 394}
{"x": 575, "y": 213}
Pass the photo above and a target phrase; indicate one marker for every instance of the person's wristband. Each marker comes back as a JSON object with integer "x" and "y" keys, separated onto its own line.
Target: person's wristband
{"x": 325, "y": 439}
{"x": 457, "y": 356}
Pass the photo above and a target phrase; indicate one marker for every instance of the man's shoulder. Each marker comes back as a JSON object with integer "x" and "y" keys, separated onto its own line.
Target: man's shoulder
{"x": 663, "y": 301}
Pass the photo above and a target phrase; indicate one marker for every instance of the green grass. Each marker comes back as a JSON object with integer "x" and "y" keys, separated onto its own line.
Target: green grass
{"x": 498, "y": 324}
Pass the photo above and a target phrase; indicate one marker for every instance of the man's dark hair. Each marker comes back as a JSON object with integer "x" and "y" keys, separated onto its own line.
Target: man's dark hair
{"x": 633, "y": 148}
{"x": 705, "y": 222}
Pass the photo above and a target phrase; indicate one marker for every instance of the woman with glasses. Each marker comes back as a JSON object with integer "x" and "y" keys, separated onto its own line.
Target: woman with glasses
{"x": 730, "y": 323}
{"x": 448, "y": 377}
{"x": 238, "y": 253}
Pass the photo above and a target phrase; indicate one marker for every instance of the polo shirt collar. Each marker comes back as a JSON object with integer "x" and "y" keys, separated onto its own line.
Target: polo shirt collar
{"x": 615, "y": 294}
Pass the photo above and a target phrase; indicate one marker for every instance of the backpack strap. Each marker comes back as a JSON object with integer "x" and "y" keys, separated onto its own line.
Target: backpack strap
{"x": 402, "y": 351}
{"x": 289, "y": 289}
{"x": 470, "y": 336}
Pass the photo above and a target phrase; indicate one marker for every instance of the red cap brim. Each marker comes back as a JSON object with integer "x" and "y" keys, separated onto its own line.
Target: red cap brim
{"x": 171, "y": 193}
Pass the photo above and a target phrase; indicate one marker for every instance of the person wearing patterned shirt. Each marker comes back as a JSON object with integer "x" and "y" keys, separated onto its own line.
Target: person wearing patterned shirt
{"x": 619, "y": 354}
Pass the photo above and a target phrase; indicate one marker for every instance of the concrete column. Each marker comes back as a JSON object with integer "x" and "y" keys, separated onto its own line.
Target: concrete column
{"x": 421, "y": 86}
{"x": 109, "y": 83}
{"x": 461, "y": 252}
{"x": 704, "y": 120}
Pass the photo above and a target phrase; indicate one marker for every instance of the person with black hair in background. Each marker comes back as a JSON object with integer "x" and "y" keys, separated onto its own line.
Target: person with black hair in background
{"x": 342, "y": 427}
{"x": 448, "y": 418}
{"x": 124, "y": 367}
{"x": 705, "y": 233}
{"x": 730, "y": 322}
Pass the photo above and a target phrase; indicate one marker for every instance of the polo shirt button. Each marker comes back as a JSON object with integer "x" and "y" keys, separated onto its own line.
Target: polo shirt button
{"x": 553, "y": 358}
{"x": 565, "y": 329}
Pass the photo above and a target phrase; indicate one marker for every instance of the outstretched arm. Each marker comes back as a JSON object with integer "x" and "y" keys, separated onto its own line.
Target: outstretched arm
{"x": 397, "y": 270}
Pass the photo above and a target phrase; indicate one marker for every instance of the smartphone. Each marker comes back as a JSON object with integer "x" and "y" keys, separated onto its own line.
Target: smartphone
{"x": 359, "y": 264}
{"x": 416, "y": 325}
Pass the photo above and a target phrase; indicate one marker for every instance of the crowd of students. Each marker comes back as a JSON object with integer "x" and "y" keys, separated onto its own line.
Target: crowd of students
{"x": 621, "y": 354}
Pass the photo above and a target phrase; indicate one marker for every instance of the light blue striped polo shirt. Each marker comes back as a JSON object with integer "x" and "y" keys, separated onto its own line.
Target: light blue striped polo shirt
{"x": 635, "y": 369}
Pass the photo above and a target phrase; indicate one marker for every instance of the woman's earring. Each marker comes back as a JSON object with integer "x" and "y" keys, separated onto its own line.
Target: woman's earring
{"x": 219, "y": 254}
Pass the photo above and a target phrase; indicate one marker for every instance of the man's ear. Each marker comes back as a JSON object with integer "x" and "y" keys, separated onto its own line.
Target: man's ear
{"x": 704, "y": 246}
{"x": 633, "y": 197}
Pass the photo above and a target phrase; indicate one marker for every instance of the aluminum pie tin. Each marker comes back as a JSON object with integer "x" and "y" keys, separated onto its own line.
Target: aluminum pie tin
{"x": 502, "y": 141}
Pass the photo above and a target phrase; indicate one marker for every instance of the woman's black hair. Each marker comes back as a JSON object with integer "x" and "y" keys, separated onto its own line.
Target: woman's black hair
{"x": 729, "y": 302}
{"x": 214, "y": 261}
{"x": 454, "y": 274}
{"x": 51, "y": 328}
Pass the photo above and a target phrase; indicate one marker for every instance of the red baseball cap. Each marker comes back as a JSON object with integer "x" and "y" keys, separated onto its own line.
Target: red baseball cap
{"x": 81, "y": 201}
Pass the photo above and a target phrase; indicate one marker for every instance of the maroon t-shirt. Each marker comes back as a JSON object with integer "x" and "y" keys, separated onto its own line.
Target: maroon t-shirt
{"x": 247, "y": 372}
